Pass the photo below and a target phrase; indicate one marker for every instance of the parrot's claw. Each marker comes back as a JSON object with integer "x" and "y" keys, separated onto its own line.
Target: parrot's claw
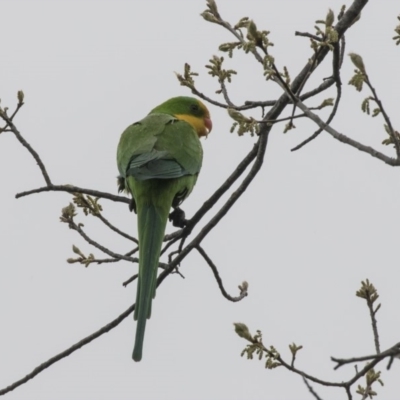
{"x": 177, "y": 217}
{"x": 132, "y": 206}
{"x": 121, "y": 184}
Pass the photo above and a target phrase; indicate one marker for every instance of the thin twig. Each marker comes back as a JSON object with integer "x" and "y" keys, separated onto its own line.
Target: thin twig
{"x": 374, "y": 323}
{"x": 214, "y": 269}
{"x": 19, "y": 105}
{"x": 115, "y": 229}
{"x": 78, "y": 228}
{"x": 322, "y": 87}
{"x": 24, "y": 143}
{"x": 75, "y": 189}
{"x": 348, "y": 392}
{"x": 385, "y": 116}
{"x": 311, "y": 389}
{"x": 308, "y": 35}
{"x": 391, "y": 352}
{"x": 345, "y": 139}
{"x": 240, "y": 38}
{"x": 226, "y": 96}
{"x": 103, "y": 260}
{"x": 208, "y": 99}
{"x": 250, "y": 104}
{"x": 328, "y": 121}
{"x": 131, "y": 279}
{"x": 342, "y": 384}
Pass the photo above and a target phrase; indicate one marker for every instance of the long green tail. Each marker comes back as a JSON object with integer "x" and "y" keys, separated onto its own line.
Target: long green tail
{"x": 152, "y": 221}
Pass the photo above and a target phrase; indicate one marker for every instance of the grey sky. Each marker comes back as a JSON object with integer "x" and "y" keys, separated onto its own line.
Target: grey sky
{"x": 312, "y": 225}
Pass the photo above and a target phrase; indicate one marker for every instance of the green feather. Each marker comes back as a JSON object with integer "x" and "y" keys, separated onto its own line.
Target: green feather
{"x": 154, "y": 198}
{"x": 159, "y": 158}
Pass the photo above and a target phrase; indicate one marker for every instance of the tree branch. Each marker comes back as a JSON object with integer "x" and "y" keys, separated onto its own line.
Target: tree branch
{"x": 75, "y": 189}
{"x": 243, "y": 288}
{"x": 78, "y": 228}
{"x": 24, "y": 143}
{"x": 393, "y": 351}
{"x": 69, "y": 351}
{"x": 345, "y": 139}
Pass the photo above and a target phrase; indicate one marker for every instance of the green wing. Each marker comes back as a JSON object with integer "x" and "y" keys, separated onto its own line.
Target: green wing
{"x": 159, "y": 147}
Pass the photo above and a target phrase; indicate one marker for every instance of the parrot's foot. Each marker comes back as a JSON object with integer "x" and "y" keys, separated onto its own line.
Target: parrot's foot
{"x": 177, "y": 217}
{"x": 132, "y": 206}
{"x": 121, "y": 184}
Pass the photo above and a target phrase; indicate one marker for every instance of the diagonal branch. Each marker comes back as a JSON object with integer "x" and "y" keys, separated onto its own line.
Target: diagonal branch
{"x": 115, "y": 229}
{"x": 345, "y": 139}
{"x": 208, "y": 204}
{"x": 24, "y": 143}
{"x": 78, "y": 228}
{"x": 69, "y": 351}
{"x": 311, "y": 389}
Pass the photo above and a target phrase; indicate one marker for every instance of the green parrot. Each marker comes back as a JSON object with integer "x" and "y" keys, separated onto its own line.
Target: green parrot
{"x": 159, "y": 159}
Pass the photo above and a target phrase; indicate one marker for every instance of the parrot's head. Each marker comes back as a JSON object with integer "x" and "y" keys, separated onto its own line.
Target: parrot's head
{"x": 188, "y": 109}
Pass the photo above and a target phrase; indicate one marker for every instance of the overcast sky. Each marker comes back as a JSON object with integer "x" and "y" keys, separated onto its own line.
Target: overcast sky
{"x": 309, "y": 229}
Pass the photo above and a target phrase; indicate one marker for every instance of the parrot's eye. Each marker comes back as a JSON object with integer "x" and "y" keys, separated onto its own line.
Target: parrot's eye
{"x": 194, "y": 107}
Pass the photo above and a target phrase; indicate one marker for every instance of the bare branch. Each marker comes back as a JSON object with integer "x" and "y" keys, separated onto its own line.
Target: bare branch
{"x": 311, "y": 389}
{"x": 131, "y": 279}
{"x": 308, "y": 35}
{"x": 328, "y": 121}
{"x": 243, "y": 292}
{"x": 75, "y": 189}
{"x": 24, "y": 143}
{"x": 385, "y": 116}
{"x": 69, "y": 351}
{"x": 393, "y": 351}
{"x": 322, "y": 87}
{"x": 78, "y": 228}
{"x": 374, "y": 323}
{"x": 345, "y": 139}
{"x": 115, "y": 229}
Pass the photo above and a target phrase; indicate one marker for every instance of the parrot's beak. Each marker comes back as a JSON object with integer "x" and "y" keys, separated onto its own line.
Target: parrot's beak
{"x": 208, "y": 124}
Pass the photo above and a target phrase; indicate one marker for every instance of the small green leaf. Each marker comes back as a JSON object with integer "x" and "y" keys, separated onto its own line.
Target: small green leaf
{"x": 358, "y": 62}
{"x": 243, "y": 331}
{"x": 20, "y": 96}
{"x": 330, "y": 18}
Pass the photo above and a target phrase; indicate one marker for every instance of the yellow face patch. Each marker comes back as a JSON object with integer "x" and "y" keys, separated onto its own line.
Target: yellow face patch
{"x": 197, "y": 123}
